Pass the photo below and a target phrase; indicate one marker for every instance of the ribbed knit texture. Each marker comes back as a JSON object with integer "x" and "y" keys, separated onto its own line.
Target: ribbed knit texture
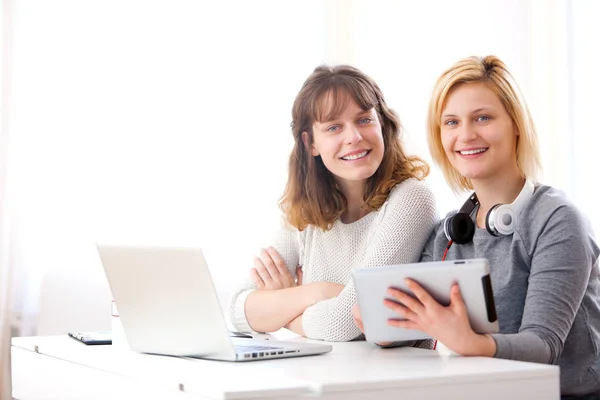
{"x": 394, "y": 234}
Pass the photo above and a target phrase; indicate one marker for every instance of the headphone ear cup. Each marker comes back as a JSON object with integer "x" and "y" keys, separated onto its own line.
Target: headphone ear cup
{"x": 500, "y": 220}
{"x": 459, "y": 228}
{"x": 490, "y": 220}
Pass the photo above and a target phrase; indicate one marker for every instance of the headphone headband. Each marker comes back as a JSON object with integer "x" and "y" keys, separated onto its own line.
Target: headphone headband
{"x": 524, "y": 196}
{"x": 470, "y": 205}
{"x": 500, "y": 220}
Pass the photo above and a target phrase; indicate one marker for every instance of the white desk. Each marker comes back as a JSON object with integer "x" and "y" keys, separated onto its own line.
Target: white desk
{"x": 58, "y": 367}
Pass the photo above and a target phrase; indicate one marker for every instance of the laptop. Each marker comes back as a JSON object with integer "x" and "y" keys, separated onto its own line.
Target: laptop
{"x": 168, "y": 305}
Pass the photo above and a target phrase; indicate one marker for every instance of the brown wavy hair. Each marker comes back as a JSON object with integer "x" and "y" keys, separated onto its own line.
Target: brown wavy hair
{"x": 311, "y": 196}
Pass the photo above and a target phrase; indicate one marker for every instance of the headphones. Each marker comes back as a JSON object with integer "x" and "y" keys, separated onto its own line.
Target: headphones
{"x": 499, "y": 221}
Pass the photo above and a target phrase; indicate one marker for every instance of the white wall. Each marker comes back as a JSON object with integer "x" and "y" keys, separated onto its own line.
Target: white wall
{"x": 5, "y": 265}
{"x": 168, "y": 122}
{"x": 412, "y": 43}
{"x": 583, "y": 134}
{"x": 152, "y": 122}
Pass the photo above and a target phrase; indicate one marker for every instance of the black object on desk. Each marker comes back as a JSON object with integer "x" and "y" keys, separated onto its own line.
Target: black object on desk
{"x": 239, "y": 334}
{"x": 92, "y": 338}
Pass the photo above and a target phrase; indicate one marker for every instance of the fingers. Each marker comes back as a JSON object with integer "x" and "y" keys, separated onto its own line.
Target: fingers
{"x": 421, "y": 294}
{"x": 257, "y": 279}
{"x": 278, "y": 261}
{"x": 264, "y": 274}
{"x": 272, "y": 271}
{"x": 299, "y": 275}
{"x": 456, "y": 299}
{"x": 400, "y": 309}
{"x": 267, "y": 261}
{"x": 404, "y": 324}
{"x": 404, "y": 299}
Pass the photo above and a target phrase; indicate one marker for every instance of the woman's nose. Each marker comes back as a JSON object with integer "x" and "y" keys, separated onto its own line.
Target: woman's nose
{"x": 354, "y": 135}
{"x": 467, "y": 132}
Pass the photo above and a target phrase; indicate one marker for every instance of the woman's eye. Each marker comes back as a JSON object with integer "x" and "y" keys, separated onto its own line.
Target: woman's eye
{"x": 365, "y": 120}
{"x": 333, "y": 128}
{"x": 451, "y": 122}
{"x": 483, "y": 118}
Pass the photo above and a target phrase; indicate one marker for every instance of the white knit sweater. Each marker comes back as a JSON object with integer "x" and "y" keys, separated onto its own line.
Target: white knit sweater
{"x": 394, "y": 234}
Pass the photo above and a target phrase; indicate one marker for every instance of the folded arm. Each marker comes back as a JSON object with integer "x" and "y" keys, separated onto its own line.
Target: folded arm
{"x": 404, "y": 226}
{"x": 270, "y": 310}
{"x": 273, "y": 296}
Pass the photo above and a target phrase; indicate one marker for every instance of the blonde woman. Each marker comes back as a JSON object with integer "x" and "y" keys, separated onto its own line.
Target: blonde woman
{"x": 543, "y": 259}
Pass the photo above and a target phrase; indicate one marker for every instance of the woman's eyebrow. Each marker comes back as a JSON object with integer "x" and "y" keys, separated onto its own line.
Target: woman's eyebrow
{"x": 478, "y": 110}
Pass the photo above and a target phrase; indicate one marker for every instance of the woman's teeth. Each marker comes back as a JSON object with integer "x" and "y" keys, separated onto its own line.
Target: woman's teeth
{"x": 471, "y": 152}
{"x": 355, "y": 156}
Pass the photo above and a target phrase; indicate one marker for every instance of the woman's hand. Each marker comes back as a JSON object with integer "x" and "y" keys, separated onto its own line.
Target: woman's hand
{"x": 270, "y": 272}
{"x": 299, "y": 275}
{"x": 449, "y": 324}
{"x": 359, "y": 323}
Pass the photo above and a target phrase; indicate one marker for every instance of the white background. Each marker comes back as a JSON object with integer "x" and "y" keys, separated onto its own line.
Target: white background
{"x": 168, "y": 121}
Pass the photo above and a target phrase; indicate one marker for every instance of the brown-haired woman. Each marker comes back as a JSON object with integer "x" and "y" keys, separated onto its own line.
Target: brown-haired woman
{"x": 353, "y": 199}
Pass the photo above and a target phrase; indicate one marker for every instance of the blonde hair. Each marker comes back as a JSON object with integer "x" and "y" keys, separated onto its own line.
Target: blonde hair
{"x": 493, "y": 72}
{"x": 311, "y": 196}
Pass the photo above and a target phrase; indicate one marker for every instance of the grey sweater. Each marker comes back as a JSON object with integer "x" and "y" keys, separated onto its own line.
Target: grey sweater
{"x": 546, "y": 284}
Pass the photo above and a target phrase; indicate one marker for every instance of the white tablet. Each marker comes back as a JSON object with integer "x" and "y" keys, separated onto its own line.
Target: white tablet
{"x": 472, "y": 276}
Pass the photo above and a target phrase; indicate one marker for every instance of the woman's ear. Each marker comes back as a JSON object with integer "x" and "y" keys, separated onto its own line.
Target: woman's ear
{"x": 313, "y": 149}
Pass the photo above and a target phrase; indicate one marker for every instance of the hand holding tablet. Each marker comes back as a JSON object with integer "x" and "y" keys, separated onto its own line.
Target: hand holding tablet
{"x": 437, "y": 279}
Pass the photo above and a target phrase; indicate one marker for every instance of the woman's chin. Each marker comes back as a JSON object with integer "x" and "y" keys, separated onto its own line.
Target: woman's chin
{"x": 475, "y": 175}
{"x": 477, "y": 178}
{"x": 357, "y": 176}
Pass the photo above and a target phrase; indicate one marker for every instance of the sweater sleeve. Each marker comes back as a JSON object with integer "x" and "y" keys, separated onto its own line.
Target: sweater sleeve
{"x": 405, "y": 223}
{"x": 560, "y": 268}
{"x": 286, "y": 242}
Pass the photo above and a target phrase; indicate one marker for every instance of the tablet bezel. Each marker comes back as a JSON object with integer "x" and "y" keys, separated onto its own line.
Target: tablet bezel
{"x": 473, "y": 277}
